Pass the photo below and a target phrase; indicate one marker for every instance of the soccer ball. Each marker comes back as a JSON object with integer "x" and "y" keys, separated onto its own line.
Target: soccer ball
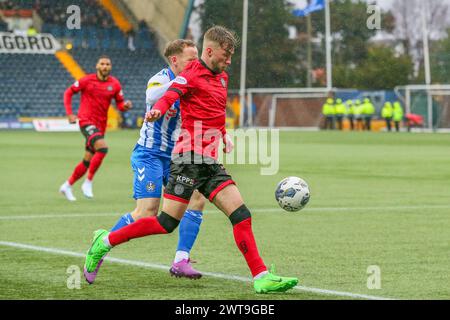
{"x": 292, "y": 194}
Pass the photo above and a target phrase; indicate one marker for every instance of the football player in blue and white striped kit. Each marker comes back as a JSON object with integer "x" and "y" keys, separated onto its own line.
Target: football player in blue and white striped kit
{"x": 150, "y": 160}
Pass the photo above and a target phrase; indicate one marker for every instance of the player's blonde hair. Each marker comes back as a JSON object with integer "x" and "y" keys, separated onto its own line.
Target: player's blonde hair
{"x": 224, "y": 37}
{"x": 176, "y": 47}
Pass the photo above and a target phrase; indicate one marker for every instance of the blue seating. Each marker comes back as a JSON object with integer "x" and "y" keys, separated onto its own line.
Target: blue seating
{"x": 38, "y": 85}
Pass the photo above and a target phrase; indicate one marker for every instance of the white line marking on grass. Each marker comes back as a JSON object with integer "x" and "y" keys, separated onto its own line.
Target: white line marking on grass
{"x": 256, "y": 210}
{"x": 58, "y": 216}
{"x": 163, "y": 267}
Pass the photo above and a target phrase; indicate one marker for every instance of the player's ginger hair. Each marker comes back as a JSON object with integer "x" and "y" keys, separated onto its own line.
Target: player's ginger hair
{"x": 222, "y": 36}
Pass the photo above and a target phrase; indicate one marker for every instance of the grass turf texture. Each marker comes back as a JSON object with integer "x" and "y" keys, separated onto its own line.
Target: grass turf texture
{"x": 377, "y": 199}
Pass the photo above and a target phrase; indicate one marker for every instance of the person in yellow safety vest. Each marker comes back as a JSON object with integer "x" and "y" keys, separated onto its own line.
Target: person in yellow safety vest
{"x": 351, "y": 114}
{"x": 341, "y": 111}
{"x": 387, "y": 113}
{"x": 368, "y": 110}
{"x": 328, "y": 111}
{"x": 358, "y": 115}
{"x": 397, "y": 115}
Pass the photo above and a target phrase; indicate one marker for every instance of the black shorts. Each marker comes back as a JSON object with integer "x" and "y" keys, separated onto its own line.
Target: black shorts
{"x": 184, "y": 178}
{"x": 92, "y": 134}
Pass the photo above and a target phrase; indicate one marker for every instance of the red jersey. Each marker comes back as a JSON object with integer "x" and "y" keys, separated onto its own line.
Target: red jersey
{"x": 96, "y": 96}
{"x": 203, "y": 102}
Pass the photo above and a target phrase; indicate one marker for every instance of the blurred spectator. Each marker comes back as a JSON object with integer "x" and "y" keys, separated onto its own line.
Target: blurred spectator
{"x": 368, "y": 111}
{"x": 359, "y": 115}
{"x": 340, "y": 111}
{"x": 351, "y": 114}
{"x": 3, "y": 25}
{"x": 130, "y": 36}
{"x": 397, "y": 115}
{"x": 387, "y": 113}
{"x": 91, "y": 15}
{"x": 329, "y": 111}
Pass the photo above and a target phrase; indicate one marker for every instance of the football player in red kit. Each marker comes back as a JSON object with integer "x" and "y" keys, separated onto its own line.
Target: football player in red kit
{"x": 97, "y": 91}
{"x": 202, "y": 89}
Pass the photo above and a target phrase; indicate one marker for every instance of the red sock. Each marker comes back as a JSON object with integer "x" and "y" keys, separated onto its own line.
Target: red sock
{"x": 138, "y": 229}
{"x": 79, "y": 171}
{"x": 96, "y": 162}
{"x": 243, "y": 235}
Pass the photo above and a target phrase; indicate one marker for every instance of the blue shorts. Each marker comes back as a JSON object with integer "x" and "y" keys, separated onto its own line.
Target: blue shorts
{"x": 151, "y": 173}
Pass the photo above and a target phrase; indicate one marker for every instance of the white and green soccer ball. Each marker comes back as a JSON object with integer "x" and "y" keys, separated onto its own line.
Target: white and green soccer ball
{"x": 292, "y": 194}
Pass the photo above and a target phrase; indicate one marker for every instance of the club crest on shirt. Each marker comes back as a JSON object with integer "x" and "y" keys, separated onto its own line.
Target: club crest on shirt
{"x": 150, "y": 186}
{"x": 222, "y": 80}
{"x": 110, "y": 88}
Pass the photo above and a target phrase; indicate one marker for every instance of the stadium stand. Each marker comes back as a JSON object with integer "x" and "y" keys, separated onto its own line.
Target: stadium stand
{"x": 37, "y": 87}
{"x": 38, "y": 82}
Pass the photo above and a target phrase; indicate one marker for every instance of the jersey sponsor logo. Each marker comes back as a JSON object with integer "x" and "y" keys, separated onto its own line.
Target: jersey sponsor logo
{"x": 185, "y": 180}
{"x": 154, "y": 84}
{"x": 180, "y": 80}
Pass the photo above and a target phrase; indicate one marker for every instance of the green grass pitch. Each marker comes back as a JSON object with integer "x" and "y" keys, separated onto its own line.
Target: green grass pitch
{"x": 377, "y": 200}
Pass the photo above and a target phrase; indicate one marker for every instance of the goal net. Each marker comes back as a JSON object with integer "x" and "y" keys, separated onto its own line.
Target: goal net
{"x": 284, "y": 108}
{"x": 432, "y": 102}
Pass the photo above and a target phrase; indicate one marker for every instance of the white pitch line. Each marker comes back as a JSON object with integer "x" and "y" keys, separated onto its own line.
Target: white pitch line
{"x": 257, "y": 210}
{"x": 163, "y": 267}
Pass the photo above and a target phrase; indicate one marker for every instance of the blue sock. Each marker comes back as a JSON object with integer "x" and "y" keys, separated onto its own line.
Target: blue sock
{"x": 124, "y": 220}
{"x": 189, "y": 228}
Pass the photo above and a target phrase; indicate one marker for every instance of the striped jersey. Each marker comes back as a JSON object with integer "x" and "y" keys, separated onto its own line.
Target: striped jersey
{"x": 160, "y": 136}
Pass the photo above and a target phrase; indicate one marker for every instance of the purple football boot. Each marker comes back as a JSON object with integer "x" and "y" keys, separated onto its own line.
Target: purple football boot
{"x": 184, "y": 269}
{"x": 90, "y": 277}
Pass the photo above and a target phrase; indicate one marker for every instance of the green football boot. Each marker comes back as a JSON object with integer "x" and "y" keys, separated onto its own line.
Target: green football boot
{"x": 273, "y": 283}
{"x": 95, "y": 255}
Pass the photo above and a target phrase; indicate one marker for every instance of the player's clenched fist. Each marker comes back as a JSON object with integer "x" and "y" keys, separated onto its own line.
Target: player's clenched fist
{"x": 128, "y": 105}
{"x": 72, "y": 118}
{"x": 152, "y": 115}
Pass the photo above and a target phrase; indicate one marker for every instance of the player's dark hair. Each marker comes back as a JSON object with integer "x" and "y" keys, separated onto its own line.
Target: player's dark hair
{"x": 103, "y": 56}
{"x": 226, "y": 38}
{"x": 177, "y": 46}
